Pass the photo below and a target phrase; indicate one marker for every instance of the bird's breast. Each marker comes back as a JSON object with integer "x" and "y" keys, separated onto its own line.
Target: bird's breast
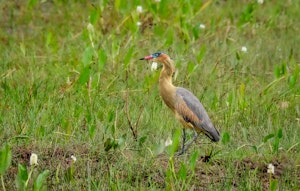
{"x": 167, "y": 93}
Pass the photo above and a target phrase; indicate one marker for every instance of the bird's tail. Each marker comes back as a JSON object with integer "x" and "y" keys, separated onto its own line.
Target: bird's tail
{"x": 213, "y": 134}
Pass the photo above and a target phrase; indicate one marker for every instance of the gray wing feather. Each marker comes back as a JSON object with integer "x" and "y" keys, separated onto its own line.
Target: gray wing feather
{"x": 197, "y": 108}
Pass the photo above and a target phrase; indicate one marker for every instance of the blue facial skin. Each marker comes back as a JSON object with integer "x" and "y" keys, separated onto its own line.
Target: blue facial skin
{"x": 155, "y": 55}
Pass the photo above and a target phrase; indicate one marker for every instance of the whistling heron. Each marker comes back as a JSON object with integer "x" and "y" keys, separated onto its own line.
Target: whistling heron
{"x": 186, "y": 107}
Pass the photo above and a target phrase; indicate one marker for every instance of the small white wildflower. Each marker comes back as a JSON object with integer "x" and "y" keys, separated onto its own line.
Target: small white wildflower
{"x": 260, "y": 1}
{"x": 244, "y": 49}
{"x": 73, "y": 158}
{"x": 138, "y": 23}
{"x": 154, "y": 66}
{"x": 157, "y": 1}
{"x": 139, "y": 9}
{"x": 68, "y": 81}
{"x": 271, "y": 169}
{"x": 168, "y": 142}
{"x": 90, "y": 28}
{"x": 33, "y": 159}
{"x": 202, "y": 26}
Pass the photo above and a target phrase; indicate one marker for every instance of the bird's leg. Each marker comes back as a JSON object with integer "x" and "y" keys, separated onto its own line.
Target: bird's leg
{"x": 188, "y": 144}
{"x": 183, "y": 143}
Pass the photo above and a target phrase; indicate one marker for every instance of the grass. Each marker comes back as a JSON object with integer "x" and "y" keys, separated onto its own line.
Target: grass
{"x": 69, "y": 89}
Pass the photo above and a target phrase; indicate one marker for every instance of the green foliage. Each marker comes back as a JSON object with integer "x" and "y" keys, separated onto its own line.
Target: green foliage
{"x": 225, "y": 137}
{"x": 175, "y": 142}
{"x": 24, "y": 177}
{"x": 40, "y": 181}
{"x": 274, "y": 185}
{"x": 71, "y": 83}
{"x": 247, "y": 14}
{"x": 5, "y": 159}
{"x": 193, "y": 161}
{"x": 21, "y": 177}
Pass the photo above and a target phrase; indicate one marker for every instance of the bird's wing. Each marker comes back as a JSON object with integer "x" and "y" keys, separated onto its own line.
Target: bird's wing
{"x": 192, "y": 111}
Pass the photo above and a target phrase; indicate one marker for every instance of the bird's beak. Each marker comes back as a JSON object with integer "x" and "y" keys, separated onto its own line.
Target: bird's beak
{"x": 147, "y": 58}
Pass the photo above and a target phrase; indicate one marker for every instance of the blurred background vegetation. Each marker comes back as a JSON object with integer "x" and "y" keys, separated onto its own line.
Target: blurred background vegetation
{"x": 71, "y": 84}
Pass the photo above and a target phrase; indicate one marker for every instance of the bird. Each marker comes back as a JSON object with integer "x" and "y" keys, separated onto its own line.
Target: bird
{"x": 183, "y": 103}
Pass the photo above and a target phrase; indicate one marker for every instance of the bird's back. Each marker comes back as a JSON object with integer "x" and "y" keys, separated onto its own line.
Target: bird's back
{"x": 192, "y": 112}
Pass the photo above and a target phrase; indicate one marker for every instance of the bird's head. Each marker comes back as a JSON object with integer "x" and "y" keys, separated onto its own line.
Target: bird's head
{"x": 156, "y": 57}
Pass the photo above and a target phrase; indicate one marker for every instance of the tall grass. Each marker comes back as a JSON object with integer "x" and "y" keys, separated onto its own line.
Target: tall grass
{"x": 71, "y": 84}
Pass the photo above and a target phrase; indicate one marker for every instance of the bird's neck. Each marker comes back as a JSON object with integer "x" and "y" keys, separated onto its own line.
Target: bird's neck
{"x": 167, "y": 71}
{"x": 166, "y": 88}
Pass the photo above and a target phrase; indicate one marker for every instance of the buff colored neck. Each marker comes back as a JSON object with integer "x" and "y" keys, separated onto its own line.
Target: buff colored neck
{"x": 166, "y": 88}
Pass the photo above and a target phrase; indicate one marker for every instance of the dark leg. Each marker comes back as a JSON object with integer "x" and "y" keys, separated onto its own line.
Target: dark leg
{"x": 188, "y": 144}
{"x": 183, "y": 141}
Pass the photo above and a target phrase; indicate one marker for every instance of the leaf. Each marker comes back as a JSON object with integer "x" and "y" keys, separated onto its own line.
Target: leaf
{"x": 273, "y": 185}
{"x": 201, "y": 53}
{"x": 87, "y": 56}
{"x": 225, "y": 138}
{"x": 277, "y": 71}
{"x": 38, "y": 183}
{"x": 94, "y": 15}
{"x": 102, "y": 59}
{"x": 292, "y": 80}
{"x": 128, "y": 57}
{"x": 84, "y": 75}
{"x": 196, "y": 32}
{"x": 266, "y": 138}
{"x": 176, "y": 140}
{"x": 255, "y": 148}
{"x": 182, "y": 172}
{"x": 277, "y": 140}
{"x": 247, "y": 14}
{"x": 193, "y": 160}
{"x": 142, "y": 140}
{"x": 5, "y": 159}
{"x": 92, "y": 130}
{"x": 22, "y": 177}
{"x": 276, "y": 145}
{"x": 273, "y": 83}
{"x": 190, "y": 67}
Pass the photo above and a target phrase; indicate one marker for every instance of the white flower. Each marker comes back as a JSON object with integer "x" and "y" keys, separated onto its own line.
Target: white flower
{"x": 260, "y": 1}
{"x": 139, "y": 9}
{"x": 33, "y": 159}
{"x": 168, "y": 142}
{"x": 154, "y": 66}
{"x": 244, "y": 49}
{"x": 157, "y": 1}
{"x": 138, "y": 23}
{"x": 271, "y": 169}
{"x": 202, "y": 26}
{"x": 90, "y": 28}
{"x": 73, "y": 158}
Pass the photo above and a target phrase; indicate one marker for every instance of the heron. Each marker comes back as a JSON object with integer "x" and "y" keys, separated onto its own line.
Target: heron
{"x": 183, "y": 103}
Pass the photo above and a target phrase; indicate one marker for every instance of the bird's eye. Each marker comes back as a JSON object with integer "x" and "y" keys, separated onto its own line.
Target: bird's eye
{"x": 156, "y": 54}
